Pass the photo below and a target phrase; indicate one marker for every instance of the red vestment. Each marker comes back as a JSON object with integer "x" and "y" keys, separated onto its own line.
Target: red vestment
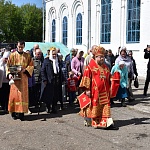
{"x": 97, "y": 79}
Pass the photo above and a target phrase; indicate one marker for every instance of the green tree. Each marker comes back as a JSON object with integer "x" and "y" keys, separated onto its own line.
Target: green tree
{"x": 9, "y": 18}
{"x": 23, "y": 22}
{"x": 32, "y": 22}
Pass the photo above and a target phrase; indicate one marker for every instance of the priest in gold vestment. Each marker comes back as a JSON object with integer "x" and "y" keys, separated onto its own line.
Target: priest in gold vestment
{"x": 18, "y": 98}
{"x": 96, "y": 84}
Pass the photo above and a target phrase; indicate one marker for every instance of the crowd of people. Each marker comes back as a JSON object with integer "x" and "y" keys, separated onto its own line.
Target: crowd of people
{"x": 50, "y": 79}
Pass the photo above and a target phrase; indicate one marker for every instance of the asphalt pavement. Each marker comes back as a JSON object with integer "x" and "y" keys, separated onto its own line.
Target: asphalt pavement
{"x": 141, "y": 103}
{"x": 65, "y": 130}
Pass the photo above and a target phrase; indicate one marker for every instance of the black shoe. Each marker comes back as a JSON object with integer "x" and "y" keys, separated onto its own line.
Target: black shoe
{"x": 21, "y": 116}
{"x": 131, "y": 100}
{"x": 112, "y": 127}
{"x": 112, "y": 102}
{"x": 54, "y": 111}
{"x": 15, "y": 118}
{"x": 123, "y": 104}
{"x": 13, "y": 115}
{"x": 62, "y": 107}
{"x": 144, "y": 94}
{"x": 22, "y": 119}
{"x": 48, "y": 110}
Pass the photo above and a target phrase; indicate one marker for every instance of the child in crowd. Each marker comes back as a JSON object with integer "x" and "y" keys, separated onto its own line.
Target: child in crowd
{"x": 71, "y": 83}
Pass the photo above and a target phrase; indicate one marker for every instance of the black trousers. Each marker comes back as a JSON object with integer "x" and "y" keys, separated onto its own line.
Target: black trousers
{"x": 147, "y": 82}
{"x": 37, "y": 92}
{"x": 4, "y": 96}
{"x": 31, "y": 96}
{"x": 34, "y": 94}
{"x": 57, "y": 97}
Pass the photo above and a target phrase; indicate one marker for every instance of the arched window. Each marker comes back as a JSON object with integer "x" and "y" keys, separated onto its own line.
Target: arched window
{"x": 53, "y": 30}
{"x": 79, "y": 29}
{"x": 133, "y": 21}
{"x": 65, "y": 30}
{"x": 105, "y": 21}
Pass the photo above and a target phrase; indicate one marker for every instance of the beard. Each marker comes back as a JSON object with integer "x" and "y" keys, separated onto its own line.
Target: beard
{"x": 100, "y": 62}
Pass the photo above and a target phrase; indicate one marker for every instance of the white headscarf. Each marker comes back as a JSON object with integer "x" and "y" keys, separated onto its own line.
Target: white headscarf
{"x": 2, "y": 68}
{"x": 6, "y": 54}
{"x": 123, "y": 48}
{"x": 55, "y": 62}
{"x": 121, "y": 63}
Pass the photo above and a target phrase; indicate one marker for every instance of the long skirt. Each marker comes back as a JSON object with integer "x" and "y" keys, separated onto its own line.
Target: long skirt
{"x": 122, "y": 93}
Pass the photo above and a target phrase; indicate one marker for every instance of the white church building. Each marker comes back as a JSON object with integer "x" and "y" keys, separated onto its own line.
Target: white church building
{"x": 110, "y": 23}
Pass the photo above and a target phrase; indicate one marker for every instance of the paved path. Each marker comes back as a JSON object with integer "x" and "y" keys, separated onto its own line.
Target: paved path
{"x": 65, "y": 130}
{"x": 141, "y": 103}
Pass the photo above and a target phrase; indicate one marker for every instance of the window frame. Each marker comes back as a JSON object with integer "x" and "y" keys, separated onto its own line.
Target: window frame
{"x": 53, "y": 30}
{"x": 133, "y": 21}
{"x": 65, "y": 30}
{"x": 105, "y": 28}
{"x": 79, "y": 29}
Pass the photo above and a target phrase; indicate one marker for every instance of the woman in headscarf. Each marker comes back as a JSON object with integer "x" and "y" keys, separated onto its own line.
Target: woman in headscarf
{"x": 77, "y": 66}
{"x": 52, "y": 80}
{"x": 4, "y": 83}
{"x": 128, "y": 62}
{"x": 122, "y": 92}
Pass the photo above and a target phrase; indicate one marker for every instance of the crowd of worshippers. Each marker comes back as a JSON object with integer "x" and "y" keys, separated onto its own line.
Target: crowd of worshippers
{"x": 57, "y": 80}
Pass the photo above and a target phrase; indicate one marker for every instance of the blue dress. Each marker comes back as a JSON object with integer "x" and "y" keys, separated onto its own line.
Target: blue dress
{"x": 122, "y": 93}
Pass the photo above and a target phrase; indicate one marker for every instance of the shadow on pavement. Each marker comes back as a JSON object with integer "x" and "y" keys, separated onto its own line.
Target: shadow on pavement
{"x": 43, "y": 115}
{"x": 140, "y": 98}
{"x": 135, "y": 121}
{"x": 138, "y": 89}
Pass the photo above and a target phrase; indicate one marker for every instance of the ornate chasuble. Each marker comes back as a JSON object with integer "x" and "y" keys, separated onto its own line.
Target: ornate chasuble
{"x": 97, "y": 79}
{"x": 18, "y": 98}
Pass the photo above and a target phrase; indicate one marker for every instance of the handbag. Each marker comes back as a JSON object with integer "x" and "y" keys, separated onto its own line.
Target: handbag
{"x": 136, "y": 82}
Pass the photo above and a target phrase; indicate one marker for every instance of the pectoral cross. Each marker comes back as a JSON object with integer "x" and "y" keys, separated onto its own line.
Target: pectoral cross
{"x": 102, "y": 76}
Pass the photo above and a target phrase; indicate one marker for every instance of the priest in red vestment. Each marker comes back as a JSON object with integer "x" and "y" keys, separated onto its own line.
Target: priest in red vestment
{"x": 96, "y": 85}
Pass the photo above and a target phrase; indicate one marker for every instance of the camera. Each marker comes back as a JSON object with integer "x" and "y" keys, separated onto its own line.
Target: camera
{"x": 145, "y": 50}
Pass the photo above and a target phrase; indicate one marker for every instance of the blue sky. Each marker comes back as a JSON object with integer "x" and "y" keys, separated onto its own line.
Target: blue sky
{"x": 38, "y": 3}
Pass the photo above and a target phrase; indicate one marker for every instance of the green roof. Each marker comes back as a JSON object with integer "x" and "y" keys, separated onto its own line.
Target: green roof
{"x": 45, "y": 46}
